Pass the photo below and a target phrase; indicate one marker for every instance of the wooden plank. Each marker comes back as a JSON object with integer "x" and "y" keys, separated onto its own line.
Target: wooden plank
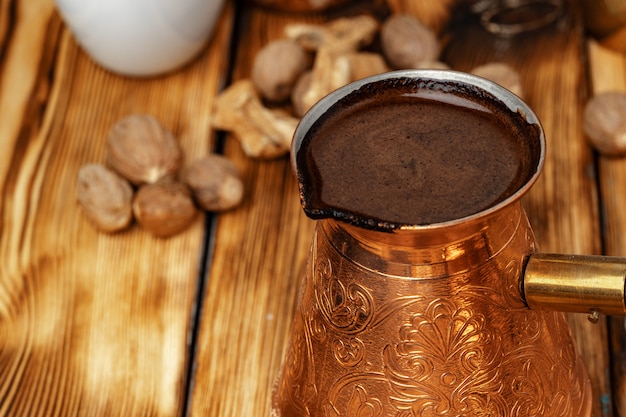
{"x": 608, "y": 73}
{"x": 90, "y": 324}
{"x": 255, "y": 269}
{"x": 26, "y": 44}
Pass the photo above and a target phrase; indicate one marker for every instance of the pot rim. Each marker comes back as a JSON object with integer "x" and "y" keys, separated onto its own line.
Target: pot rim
{"x": 512, "y": 102}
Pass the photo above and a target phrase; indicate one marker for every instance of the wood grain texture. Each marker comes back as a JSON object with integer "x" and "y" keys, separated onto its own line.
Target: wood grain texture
{"x": 90, "y": 324}
{"x": 608, "y": 73}
{"x": 6, "y": 19}
{"x": 256, "y": 267}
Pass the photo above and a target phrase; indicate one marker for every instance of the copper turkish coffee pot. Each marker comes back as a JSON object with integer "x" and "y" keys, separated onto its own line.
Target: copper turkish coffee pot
{"x": 458, "y": 318}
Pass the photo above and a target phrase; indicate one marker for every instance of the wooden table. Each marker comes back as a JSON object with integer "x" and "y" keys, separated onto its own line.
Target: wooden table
{"x": 130, "y": 325}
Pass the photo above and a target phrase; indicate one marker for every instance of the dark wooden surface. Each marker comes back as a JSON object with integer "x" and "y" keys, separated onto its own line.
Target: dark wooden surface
{"x": 129, "y": 325}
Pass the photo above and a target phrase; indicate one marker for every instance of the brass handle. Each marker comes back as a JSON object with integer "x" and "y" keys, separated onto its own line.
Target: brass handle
{"x": 576, "y": 283}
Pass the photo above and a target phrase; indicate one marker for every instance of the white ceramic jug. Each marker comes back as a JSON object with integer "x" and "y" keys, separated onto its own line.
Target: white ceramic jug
{"x": 141, "y": 37}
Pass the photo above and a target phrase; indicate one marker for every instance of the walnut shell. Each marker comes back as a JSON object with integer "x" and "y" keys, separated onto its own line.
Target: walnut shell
{"x": 406, "y": 41}
{"x": 142, "y": 151}
{"x": 276, "y": 68}
{"x": 164, "y": 208}
{"x": 105, "y": 198}
{"x": 604, "y": 122}
{"x": 215, "y": 182}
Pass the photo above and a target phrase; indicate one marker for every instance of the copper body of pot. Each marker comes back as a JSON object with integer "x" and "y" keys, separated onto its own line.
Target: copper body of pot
{"x": 384, "y": 329}
{"x": 433, "y": 319}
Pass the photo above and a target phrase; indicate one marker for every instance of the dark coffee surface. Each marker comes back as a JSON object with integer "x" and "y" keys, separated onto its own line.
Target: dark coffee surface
{"x": 412, "y": 160}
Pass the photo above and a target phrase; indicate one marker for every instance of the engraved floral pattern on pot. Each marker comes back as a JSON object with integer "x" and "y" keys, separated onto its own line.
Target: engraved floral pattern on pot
{"x": 533, "y": 396}
{"x": 374, "y": 345}
{"x": 294, "y": 375}
{"x": 361, "y": 405}
{"x": 444, "y": 364}
{"x": 346, "y": 305}
{"x": 349, "y": 352}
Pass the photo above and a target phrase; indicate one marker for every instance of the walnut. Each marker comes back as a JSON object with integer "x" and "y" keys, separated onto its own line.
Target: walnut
{"x": 142, "y": 151}
{"x": 215, "y": 182}
{"x": 276, "y": 68}
{"x": 604, "y": 122}
{"x": 502, "y": 74}
{"x": 164, "y": 208}
{"x": 406, "y": 41}
{"x": 105, "y": 198}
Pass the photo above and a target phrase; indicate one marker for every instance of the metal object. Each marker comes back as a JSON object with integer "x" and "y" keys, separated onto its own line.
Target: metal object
{"x": 579, "y": 284}
{"x": 432, "y": 319}
{"x": 511, "y": 17}
{"x": 398, "y": 327}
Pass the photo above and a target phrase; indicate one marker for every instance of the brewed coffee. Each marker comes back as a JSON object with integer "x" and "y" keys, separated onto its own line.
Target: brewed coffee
{"x": 413, "y": 154}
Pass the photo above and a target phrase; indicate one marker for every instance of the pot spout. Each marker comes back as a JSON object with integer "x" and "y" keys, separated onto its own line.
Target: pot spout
{"x": 576, "y": 283}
